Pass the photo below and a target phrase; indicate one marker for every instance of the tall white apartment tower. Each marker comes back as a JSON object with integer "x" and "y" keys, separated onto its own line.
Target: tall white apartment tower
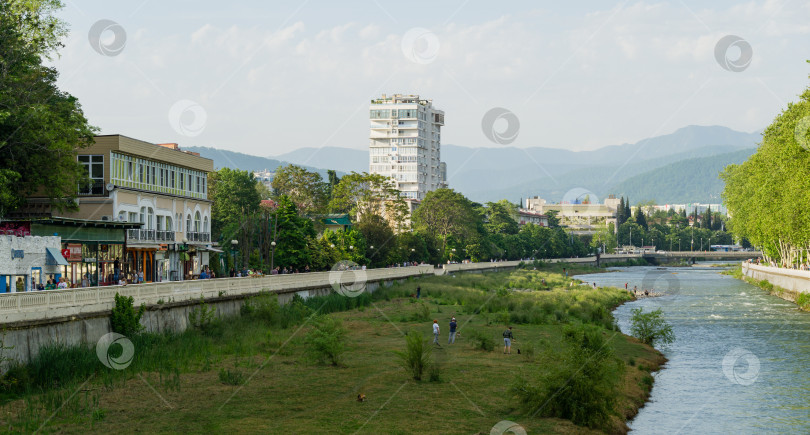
{"x": 406, "y": 144}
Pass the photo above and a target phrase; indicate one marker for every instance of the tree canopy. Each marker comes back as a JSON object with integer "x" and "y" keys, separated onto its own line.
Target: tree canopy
{"x": 766, "y": 194}
{"x": 41, "y": 127}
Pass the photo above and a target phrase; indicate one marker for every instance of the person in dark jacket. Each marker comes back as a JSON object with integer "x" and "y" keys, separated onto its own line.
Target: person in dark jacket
{"x": 507, "y": 340}
{"x": 452, "y": 338}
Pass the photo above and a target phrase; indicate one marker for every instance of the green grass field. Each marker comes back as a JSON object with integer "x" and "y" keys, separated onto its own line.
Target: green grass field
{"x": 252, "y": 375}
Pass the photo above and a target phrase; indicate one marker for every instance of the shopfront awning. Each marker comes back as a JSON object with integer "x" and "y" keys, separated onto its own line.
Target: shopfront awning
{"x": 55, "y": 257}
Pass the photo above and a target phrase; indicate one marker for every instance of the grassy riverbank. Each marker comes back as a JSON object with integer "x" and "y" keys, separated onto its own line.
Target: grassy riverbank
{"x": 254, "y": 373}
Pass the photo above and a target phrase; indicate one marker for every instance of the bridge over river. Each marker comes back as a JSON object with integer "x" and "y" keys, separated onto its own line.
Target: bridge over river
{"x": 690, "y": 256}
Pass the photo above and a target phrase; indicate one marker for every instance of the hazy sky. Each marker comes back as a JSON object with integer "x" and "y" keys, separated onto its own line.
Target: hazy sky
{"x": 267, "y": 77}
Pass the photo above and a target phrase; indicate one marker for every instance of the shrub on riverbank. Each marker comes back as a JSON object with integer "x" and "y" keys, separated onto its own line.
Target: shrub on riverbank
{"x": 651, "y": 328}
{"x": 583, "y": 388}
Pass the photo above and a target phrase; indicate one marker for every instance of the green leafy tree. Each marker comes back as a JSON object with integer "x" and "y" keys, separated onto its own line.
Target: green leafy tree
{"x": 651, "y": 328}
{"x": 360, "y": 194}
{"x": 235, "y": 209}
{"x": 641, "y": 220}
{"x": 765, "y": 194}
{"x": 304, "y": 188}
{"x": 41, "y": 127}
{"x": 620, "y": 216}
{"x": 553, "y": 220}
{"x": 36, "y": 22}
{"x": 446, "y": 213}
{"x": 292, "y": 236}
{"x": 348, "y": 244}
{"x": 499, "y": 217}
{"x": 379, "y": 236}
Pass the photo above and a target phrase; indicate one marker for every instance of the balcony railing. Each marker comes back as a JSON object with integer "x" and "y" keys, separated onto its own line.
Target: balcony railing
{"x": 142, "y": 235}
{"x": 96, "y": 188}
{"x": 165, "y": 236}
{"x": 198, "y": 237}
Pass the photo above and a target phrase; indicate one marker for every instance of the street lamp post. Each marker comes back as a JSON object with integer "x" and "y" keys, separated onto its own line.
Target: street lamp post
{"x": 234, "y": 243}
{"x": 273, "y": 255}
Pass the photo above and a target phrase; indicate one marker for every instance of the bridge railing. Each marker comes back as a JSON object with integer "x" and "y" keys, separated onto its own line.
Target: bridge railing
{"x": 52, "y": 303}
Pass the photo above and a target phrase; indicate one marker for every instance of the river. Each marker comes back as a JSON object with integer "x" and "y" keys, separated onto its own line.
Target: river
{"x": 740, "y": 360}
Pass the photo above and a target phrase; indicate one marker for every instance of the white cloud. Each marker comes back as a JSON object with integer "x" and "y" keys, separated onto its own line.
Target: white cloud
{"x": 625, "y": 75}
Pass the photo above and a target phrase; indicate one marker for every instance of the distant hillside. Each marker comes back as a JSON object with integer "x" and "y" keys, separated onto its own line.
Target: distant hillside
{"x": 341, "y": 159}
{"x": 692, "y": 180}
{"x": 235, "y": 160}
{"x": 496, "y": 172}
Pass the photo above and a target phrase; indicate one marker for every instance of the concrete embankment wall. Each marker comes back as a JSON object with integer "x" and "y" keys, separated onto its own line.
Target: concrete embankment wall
{"x": 53, "y": 318}
{"x": 33, "y": 319}
{"x": 793, "y": 282}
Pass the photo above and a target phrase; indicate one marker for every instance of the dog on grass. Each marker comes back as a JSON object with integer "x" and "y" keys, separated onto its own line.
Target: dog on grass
{"x": 361, "y": 397}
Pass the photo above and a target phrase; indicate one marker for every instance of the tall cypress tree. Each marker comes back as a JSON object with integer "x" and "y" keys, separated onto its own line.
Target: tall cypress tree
{"x": 640, "y": 218}
{"x": 620, "y": 217}
{"x": 627, "y": 212}
{"x": 707, "y": 218}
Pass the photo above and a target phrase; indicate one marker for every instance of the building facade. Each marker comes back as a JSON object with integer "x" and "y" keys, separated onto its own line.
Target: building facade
{"x": 532, "y": 217}
{"x": 579, "y": 216}
{"x": 27, "y": 262}
{"x": 159, "y": 186}
{"x": 405, "y": 144}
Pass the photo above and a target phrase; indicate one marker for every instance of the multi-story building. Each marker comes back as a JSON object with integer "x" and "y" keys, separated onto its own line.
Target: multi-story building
{"x": 532, "y": 217}
{"x": 158, "y": 185}
{"x": 405, "y": 144}
{"x": 265, "y": 177}
{"x": 579, "y": 216}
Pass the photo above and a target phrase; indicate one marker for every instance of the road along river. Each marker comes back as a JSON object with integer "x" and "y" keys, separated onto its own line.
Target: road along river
{"x": 740, "y": 362}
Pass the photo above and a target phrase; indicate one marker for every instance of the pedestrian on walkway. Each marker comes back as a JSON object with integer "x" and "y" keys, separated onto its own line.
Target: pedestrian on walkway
{"x": 435, "y": 331}
{"x": 418, "y": 292}
{"x": 452, "y": 338}
{"x": 507, "y": 340}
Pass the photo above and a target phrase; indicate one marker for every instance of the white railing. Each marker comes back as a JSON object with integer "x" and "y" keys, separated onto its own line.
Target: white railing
{"x": 48, "y": 304}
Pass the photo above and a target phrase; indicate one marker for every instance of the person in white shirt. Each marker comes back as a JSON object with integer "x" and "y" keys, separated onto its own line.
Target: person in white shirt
{"x": 435, "y": 331}
{"x": 62, "y": 283}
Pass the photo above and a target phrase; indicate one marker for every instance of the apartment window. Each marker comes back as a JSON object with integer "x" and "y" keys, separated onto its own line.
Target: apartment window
{"x": 133, "y": 217}
{"x": 188, "y": 221}
{"x": 189, "y": 182}
{"x": 182, "y": 181}
{"x": 197, "y": 222}
{"x": 154, "y": 181}
{"x": 172, "y": 185}
{"x": 169, "y": 224}
{"x": 159, "y": 226}
{"x": 129, "y": 171}
{"x": 199, "y": 184}
{"x": 94, "y": 168}
{"x": 140, "y": 172}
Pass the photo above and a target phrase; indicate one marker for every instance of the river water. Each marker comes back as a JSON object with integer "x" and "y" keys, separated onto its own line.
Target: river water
{"x": 740, "y": 362}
